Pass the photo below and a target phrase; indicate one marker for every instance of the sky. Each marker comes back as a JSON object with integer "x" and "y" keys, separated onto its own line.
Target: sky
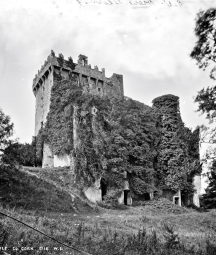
{"x": 148, "y": 44}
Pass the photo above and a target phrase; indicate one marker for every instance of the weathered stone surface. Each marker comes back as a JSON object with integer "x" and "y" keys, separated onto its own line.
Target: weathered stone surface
{"x": 121, "y": 199}
{"x": 110, "y": 86}
{"x": 47, "y": 156}
{"x": 93, "y": 79}
{"x": 93, "y": 193}
{"x": 197, "y": 184}
{"x": 60, "y": 161}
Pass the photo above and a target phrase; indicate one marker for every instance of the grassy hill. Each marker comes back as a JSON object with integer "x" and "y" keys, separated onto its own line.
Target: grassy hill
{"x": 42, "y": 198}
{"x": 21, "y": 189}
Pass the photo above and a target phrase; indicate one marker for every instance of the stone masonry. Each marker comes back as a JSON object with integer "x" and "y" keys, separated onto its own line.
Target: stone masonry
{"x": 44, "y": 80}
{"x": 98, "y": 83}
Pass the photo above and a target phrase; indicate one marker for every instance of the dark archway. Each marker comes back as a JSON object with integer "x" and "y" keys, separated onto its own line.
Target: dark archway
{"x": 147, "y": 196}
{"x": 176, "y": 200}
{"x": 103, "y": 184}
{"x": 126, "y": 192}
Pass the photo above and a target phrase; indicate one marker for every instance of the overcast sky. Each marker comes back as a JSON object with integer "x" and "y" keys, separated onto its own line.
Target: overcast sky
{"x": 149, "y": 46}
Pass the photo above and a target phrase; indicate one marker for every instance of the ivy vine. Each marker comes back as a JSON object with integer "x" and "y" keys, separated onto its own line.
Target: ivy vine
{"x": 108, "y": 136}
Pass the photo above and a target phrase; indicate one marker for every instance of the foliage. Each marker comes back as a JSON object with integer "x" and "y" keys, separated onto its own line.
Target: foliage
{"x": 131, "y": 145}
{"x": 172, "y": 161}
{"x": 22, "y": 154}
{"x": 18, "y": 189}
{"x": 204, "y": 53}
{"x": 60, "y": 60}
{"x": 192, "y": 139}
{"x": 209, "y": 198}
{"x": 107, "y": 231}
{"x": 13, "y": 152}
{"x": 59, "y": 121}
{"x": 205, "y": 48}
{"x": 70, "y": 106}
{"x": 206, "y": 102}
{"x": 110, "y": 200}
{"x": 70, "y": 63}
{"x": 110, "y": 138}
{"x": 39, "y": 144}
{"x": 94, "y": 239}
{"x": 115, "y": 135}
{"x": 6, "y": 130}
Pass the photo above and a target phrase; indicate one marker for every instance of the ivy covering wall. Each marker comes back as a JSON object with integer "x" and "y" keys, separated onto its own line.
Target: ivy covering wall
{"x": 107, "y": 136}
{"x": 178, "y": 148}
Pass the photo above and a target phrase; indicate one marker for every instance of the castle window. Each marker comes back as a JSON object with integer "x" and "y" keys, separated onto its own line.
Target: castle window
{"x": 99, "y": 89}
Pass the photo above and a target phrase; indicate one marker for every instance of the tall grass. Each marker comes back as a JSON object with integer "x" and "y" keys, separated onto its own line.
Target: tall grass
{"x": 93, "y": 239}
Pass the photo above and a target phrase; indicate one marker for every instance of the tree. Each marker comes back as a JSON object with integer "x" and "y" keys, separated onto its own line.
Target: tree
{"x": 21, "y": 154}
{"x": 204, "y": 53}
{"x": 209, "y": 199}
{"x": 6, "y": 130}
{"x": 12, "y": 152}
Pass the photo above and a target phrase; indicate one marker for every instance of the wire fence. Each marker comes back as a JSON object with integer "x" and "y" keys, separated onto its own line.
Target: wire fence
{"x": 50, "y": 237}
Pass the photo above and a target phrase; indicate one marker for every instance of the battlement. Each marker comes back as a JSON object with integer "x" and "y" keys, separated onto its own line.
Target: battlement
{"x": 91, "y": 78}
{"x": 81, "y": 66}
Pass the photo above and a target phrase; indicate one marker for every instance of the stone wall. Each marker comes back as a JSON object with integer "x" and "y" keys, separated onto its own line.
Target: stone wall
{"x": 39, "y": 110}
{"x": 121, "y": 198}
{"x": 43, "y": 82}
{"x": 42, "y": 105}
{"x": 197, "y": 184}
{"x": 47, "y": 156}
{"x": 62, "y": 160}
{"x": 93, "y": 193}
{"x": 110, "y": 86}
{"x": 114, "y": 86}
{"x": 48, "y": 83}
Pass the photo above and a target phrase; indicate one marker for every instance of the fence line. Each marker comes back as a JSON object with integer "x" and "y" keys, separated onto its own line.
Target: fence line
{"x": 71, "y": 247}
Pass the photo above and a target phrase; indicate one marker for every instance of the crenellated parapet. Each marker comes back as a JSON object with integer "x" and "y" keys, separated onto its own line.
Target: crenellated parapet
{"x": 81, "y": 68}
{"x": 93, "y": 81}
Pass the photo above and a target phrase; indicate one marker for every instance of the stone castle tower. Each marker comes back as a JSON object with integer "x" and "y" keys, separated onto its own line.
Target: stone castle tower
{"x": 44, "y": 80}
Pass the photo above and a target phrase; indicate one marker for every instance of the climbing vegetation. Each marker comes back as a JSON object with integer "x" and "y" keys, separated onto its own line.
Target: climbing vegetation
{"x": 108, "y": 137}
{"x": 178, "y": 149}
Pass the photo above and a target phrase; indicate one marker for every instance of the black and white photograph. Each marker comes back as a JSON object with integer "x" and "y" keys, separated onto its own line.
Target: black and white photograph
{"x": 108, "y": 127}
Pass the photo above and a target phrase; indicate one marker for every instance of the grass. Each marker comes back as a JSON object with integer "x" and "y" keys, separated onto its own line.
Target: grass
{"x": 156, "y": 227}
{"x": 103, "y": 233}
{"x": 18, "y": 189}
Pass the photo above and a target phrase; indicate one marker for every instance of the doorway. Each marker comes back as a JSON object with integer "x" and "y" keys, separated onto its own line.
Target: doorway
{"x": 147, "y": 196}
{"x": 126, "y": 192}
{"x": 103, "y": 184}
{"x": 176, "y": 200}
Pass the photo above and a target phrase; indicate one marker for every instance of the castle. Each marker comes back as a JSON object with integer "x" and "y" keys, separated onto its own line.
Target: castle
{"x": 44, "y": 81}
{"x": 99, "y": 84}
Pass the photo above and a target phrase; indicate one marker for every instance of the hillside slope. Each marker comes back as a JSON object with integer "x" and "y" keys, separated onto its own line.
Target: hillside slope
{"x": 46, "y": 200}
{"x": 21, "y": 189}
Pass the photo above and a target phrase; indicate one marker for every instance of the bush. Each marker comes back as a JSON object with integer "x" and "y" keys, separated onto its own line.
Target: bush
{"x": 111, "y": 200}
